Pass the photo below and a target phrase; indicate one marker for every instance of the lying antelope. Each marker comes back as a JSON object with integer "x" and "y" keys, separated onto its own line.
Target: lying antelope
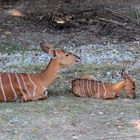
{"x": 89, "y": 86}
{"x": 30, "y": 87}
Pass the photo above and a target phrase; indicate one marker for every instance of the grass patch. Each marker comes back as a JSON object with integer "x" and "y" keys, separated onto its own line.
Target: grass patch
{"x": 95, "y": 68}
{"x": 11, "y": 48}
{"x": 37, "y": 106}
{"x": 63, "y": 82}
{"x": 30, "y": 68}
{"x": 134, "y": 14}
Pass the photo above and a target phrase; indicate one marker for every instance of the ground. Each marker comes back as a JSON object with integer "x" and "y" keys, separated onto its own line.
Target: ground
{"x": 105, "y": 34}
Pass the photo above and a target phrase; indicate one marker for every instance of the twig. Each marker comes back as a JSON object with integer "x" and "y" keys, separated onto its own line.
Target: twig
{"x": 120, "y": 15}
{"x": 115, "y": 22}
{"x": 120, "y": 137}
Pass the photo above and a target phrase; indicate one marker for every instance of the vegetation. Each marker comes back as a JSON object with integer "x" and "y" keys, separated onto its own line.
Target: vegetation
{"x": 11, "y": 48}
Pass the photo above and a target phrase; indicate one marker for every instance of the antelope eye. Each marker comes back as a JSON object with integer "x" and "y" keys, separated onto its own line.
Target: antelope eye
{"x": 133, "y": 88}
{"x": 67, "y": 54}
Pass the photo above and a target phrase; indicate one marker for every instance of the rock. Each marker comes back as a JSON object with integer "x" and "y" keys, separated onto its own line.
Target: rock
{"x": 91, "y": 115}
{"x": 100, "y": 113}
{"x": 137, "y": 64}
{"x": 122, "y": 113}
{"x": 75, "y": 137}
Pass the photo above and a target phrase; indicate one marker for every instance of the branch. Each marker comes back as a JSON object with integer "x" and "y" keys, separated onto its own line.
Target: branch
{"x": 115, "y": 22}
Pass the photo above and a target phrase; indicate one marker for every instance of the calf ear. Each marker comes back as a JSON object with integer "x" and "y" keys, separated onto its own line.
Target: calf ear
{"x": 48, "y": 48}
{"x": 124, "y": 74}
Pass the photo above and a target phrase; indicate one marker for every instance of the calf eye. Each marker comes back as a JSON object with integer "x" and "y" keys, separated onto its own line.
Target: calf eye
{"x": 67, "y": 54}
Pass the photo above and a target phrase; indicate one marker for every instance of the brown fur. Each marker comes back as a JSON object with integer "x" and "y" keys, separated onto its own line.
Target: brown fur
{"x": 30, "y": 87}
{"x": 89, "y": 87}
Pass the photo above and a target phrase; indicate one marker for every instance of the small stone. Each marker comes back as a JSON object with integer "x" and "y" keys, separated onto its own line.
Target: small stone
{"x": 34, "y": 130}
{"x": 75, "y": 137}
{"x": 111, "y": 133}
{"x": 7, "y": 33}
{"x": 55, "y": 112}
{"x": 122, "y": 113}
{"x": 108, "y": 73}
{"x": 114, "y": 41}
{"x": 120, "y": 127}
{"x": 91, "y": 115}
{"x": 3, "y": 36}
{"x": 100, "y": 113}
{"x": 16, "y": 132}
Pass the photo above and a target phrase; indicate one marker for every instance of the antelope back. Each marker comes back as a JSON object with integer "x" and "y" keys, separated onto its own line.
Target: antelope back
{"x": 88, "y": 87}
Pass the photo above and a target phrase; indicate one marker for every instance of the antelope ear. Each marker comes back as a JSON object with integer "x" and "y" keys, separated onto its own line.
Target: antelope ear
{"x": 124, "y": 74}
{"x": 48, "y": 48}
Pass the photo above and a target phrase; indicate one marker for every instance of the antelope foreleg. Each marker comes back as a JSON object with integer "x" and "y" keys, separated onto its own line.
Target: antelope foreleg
{"x": 41, "y": 97}
{"x": 26, "y": 98}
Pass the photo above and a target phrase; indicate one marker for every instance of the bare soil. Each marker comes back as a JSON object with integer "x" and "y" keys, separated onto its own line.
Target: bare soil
{"x": 64, "y": 116}
{"x": 89, "y": 21}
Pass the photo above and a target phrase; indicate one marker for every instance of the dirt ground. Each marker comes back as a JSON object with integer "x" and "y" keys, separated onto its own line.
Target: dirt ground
{"x": 64, "y": 116}
{"x": 86, "y": 22}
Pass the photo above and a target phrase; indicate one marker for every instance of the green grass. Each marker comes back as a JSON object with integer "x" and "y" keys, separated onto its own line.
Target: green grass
{"x": 9, "y": 47}
{"x": 30, "y": 68}
{"x": 134, "y": 14}
{"x": 63, "y": 81}
{"x": 95, "y": 68}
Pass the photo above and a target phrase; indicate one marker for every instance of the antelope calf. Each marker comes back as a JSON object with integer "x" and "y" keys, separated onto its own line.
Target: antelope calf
{"x": 30, "y": 87}
{"x": 88, "y": 86}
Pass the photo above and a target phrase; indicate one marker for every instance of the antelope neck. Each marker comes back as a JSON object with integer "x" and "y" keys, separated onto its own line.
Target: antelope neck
{"x": 50, "y": 73}
{"x": 116, "y": 88}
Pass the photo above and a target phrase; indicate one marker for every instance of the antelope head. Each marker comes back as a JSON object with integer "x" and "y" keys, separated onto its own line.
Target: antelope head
{"x": 129, "y": 84}
{"x": 63, "y": 57}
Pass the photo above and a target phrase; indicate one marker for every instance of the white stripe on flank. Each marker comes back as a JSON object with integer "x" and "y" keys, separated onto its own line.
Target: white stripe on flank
{"x": 94, "y": 87}
{"x": 3, "y": 92}
{"x": 20, "y": 86}
{"x": 81, "y": 87}
{"x": 33, "y": 85}
{"x": 78, "y": 88}
{"x": 91, "y": 90}
{"x": 88, "y": 87}
{"x": 84, "y": 91}
{"x": 104, "y": 90}
{"x": 15, "y": 94}
{"x": 98, "y": 90}
{"x": 25, "y": 84}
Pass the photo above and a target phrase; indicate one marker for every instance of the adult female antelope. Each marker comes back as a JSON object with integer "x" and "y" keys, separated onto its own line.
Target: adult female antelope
{"x": 29, "y": 87}
{"x": 89, "y": 86}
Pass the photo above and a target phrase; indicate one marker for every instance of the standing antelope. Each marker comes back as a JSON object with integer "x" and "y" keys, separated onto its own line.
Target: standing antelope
{"x": 30, "y": 87}
{"x": 89, "y": 86}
